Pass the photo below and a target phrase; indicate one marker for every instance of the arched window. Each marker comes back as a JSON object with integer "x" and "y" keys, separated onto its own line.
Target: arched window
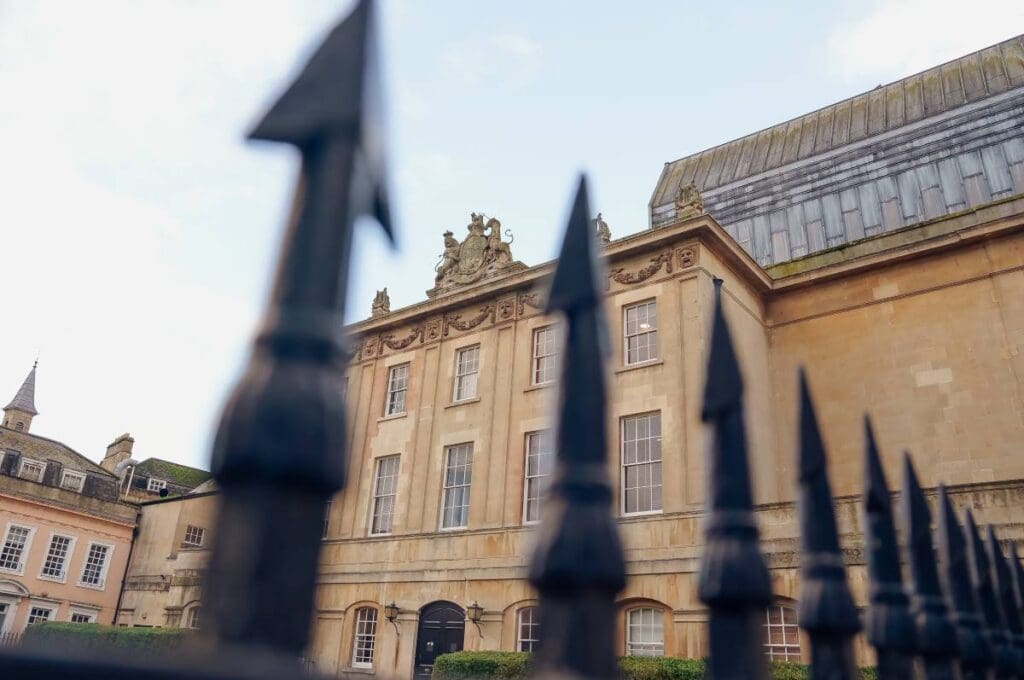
{"x": 645, "y": 632}
{"x": 364, "y": 638}
{"x": 527, "y": 629}
{"x": 19, "y": 427}
{"x": 193, "y": 617}
{"x": 781, "y": 634}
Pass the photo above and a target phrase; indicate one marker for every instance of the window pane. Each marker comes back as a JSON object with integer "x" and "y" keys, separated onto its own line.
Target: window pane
{"x": 539, "y": 463}
{"x": 781, "y": 635}
{"x": 641, "y": 463}
{"x": 457, "y": 480}
{"x": 640, "y": 336}
{"x": 385, "y": 489}
{"x": 528, "y": 629}
{"x": 545, "y": 355}
{"x": 645, "y": 635}
{"x": 364, "y": 637}
{"x": 398, "y": 383}
{"x": 95, "y": 562}
{"x": 56, "y": 557}
{"x": 14, "y": 548}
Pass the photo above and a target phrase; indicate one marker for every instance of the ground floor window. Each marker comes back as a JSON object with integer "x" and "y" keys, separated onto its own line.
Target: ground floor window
{"x": 528, "y": 629}
{"x": 194, "y": 616}
{"x": 82, "y": 617}
{"x": 645, "y": 632}
{"x": 781, "y": 634}
{"x": 39, "y": 614}
{"x": 365, "y": 637}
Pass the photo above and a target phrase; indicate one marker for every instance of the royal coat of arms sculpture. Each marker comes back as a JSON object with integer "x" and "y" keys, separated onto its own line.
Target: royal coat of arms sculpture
{"x": 480, "y": 255}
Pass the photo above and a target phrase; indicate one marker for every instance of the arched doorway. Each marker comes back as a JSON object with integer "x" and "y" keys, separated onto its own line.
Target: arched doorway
{"x": 442, "y": 629}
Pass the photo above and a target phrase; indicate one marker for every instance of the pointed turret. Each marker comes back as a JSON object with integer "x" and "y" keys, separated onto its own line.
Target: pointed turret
{"x": 734, "y": 580}
{"x": 981, "y": 576}
{"x": 826, "y": 609}
{"x": 578, "y": 566}
{"x": 975, "y": 653}
{"x": 888, "y": 625}
{"x": 936, "y": 636}
{"x": 19, "y": 413}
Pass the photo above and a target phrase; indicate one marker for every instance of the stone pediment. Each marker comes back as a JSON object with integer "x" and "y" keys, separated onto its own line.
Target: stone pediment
{"x": 482, "y": 254}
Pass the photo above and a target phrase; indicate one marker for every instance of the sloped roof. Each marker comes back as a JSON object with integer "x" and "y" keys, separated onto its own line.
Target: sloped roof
{"x": 25, "y": 399}
{"x": 943, "y": 88}
{"x": 175, "y": 473}
{"x": 36, "y": 446}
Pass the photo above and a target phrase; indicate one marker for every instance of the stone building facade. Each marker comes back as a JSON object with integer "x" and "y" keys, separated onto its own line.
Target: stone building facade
{"x": 66, "y": 535}
{"x": 886, "y": 256}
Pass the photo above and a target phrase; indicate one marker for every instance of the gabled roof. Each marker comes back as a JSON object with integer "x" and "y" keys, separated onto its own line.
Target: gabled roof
{"x": 182, "y": 475}
{"x": 34, "y": 445}
{"x": 946, "y": 87}
{"x": 25, "y": 399}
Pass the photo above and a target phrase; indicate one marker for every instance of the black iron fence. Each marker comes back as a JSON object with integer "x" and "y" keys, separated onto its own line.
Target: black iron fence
{"x": 276, "y": 458}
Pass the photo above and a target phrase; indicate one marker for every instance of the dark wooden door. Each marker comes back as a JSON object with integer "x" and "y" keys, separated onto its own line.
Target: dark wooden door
{"x": 441, "y": 631}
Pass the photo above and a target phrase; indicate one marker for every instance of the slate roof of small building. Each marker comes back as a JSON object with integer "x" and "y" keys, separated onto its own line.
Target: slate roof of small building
{"x": 956, "y": 83}
{"x": 25, "y": 399}
{"x": 173, "y": 473}
{"x": 36, "y": 446}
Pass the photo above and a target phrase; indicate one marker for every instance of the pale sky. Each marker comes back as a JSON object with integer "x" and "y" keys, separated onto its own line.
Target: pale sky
{"x": 138, "y": 229}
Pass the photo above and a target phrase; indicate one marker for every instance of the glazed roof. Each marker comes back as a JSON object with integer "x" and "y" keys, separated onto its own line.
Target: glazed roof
{"x": 938, "y": 90}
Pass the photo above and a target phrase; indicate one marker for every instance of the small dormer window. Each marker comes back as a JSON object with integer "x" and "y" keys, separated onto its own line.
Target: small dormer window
{"x": 72, "y": 481}
{"x": 156, "y": 485}
{"x": 32, "y": 470}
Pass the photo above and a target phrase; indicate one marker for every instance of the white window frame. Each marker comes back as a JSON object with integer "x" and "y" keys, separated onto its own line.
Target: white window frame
{"x": 640, "y": 332}
{"x": 391, "y": 406}
{"x": 463, "y": 372}
{"x": 67, "y": 558}
{"x": 190, "y": 615}
{"x": 79, "y": 478}
{"x": 623, "y": 465}
{"x": 41, "y": 606}
{"x": 156, "y": 485}
{"x": 32, "y": 461}
{"x": 533, "y": 634}
{"x": 103, "y": 570}
{"x": 91, "y": 614}
{"x": 186, "y": 543}
{"x": 447, "y": 489}
{"x": 656, "y": 623}
{"x": 536, "y": 357}
{"x": 781, "y": 652}
{"x": 19, "y": 570}
{"x": 11, "y": 603}
{"x": 539, "y": 434}
{"x": 378, "y": 496}
{"x": 357, "y": 635}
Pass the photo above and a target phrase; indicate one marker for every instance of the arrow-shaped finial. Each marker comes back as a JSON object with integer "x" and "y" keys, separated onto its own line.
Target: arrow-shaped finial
{"x": 936, "y": 637}
{"x": 826, "y": 609}
{"x": 975, "y": 654}
{"x": 1006, "y": 599}
{"x": 888, "y": 626}
{"x": 1018, "y": 579}
{"x": 337, "y": 96}
{"x": 984, "y": 587}
{"x": 578, "y": 565}
{"x": 733, "y": 580}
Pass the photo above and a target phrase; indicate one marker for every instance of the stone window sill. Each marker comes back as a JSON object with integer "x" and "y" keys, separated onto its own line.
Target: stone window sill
{"x": 542, "y": 386}
{"x": 645, "y": 364}
{"x": 393, "y": 416}
{"x": 463, "y": 402}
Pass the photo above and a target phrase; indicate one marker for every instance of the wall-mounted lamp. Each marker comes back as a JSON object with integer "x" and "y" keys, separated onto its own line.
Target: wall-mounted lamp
{"x": 474, "y": 613}
{"x": 391, "y": 612}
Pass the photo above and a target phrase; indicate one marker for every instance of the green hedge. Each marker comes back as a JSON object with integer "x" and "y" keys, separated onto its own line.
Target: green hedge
{"x": 91, "y": 635}
{"x": 516, "y": 666}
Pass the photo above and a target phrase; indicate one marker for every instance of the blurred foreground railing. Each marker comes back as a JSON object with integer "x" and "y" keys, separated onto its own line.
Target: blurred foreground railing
{"x": 280, "y": 454}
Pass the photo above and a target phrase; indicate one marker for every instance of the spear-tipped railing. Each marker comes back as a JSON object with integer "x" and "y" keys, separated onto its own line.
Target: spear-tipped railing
{"x": 1002, "y": 578}
{"x": 981, "y": 575}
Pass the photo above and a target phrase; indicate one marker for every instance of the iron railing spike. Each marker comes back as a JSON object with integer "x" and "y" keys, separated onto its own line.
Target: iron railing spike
{"x": 578, "y": 565}
{"x": 936, "y": 637}
{"x": 888, "y": 625}
{"x": 733, "y": 580}
{"x": 1006, "y": 599}
{"x": 826, "y": 609}
{"x": 976, "y": 659}
{"x": 1018, "y": 579}
{"x": 981, "y": 576}
{"x": 279, "y": 452}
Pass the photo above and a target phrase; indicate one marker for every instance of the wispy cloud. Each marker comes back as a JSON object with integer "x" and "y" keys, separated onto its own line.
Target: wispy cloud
{"x": 511, "y": 58}
{"x": 893, "y": 38}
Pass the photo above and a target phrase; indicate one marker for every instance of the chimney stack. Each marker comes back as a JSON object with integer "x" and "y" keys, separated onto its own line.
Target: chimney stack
{"x": 120, "y": 449}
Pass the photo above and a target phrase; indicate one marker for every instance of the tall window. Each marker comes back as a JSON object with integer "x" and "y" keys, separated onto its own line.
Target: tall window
{"x": 39, "y": 614}
{"x": 194, "y": 617}
{"x": 194, "y": 537}
{"x": 14, "y": 548}
{"x": 781, "y": 634}
{"x": 55, "y": 564}
{"x": 527, "y": 629}
{"x": 540, "y": 459}
{"x": 458, "y": 474}
{"x": 641, "y": 463}
{"x": 645, "y": 632}
{"x": 72, "y": 481}
{"x": 95, "y": 570}
{"x": 641, "y": 332}
{"x": 364, "y": 638}
{"x": 545, "y": 355}
{"x": 398, "y": 385}
{"x": 385, "y": 486}
{"x": 32, "y": 470}
{"x": 467, "y": 366}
